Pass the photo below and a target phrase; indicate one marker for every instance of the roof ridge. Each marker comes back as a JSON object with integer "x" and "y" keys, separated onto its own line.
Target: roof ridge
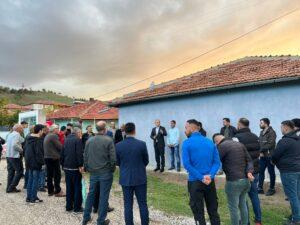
{"x": 88, "y": 108}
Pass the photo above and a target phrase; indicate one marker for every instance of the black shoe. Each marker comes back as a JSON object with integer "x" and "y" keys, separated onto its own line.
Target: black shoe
{"x": 70, "y": 210}
{"x": 14, "y": 190}
{"x": 162, "y": 170}
{"x": 42, "y": 190}
{"x": 171, "y": 168}
{"x": 95, "y": 210}
{"x": 178, "y": 170}
{"x": 156, "y": 169}
{"x": 270, "y": 192}
{"x": 39, "y": 200}
{"x": 106, "y": 222}
{"x": 78, "y": 211}
{"x": 260, "y": 191}
{"x": 85, "y": 222}
{"x": 51, "y": 194}
{"x": 110, "y": 209}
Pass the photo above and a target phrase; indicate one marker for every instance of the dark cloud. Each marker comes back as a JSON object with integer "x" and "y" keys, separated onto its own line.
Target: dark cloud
{"x": 100, "y": 45}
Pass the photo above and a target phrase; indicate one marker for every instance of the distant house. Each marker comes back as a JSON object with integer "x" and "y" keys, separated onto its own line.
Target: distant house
{"x": 89, "y": 113}
{"x": 47, "y": 105}
{"x": 14, "y": 108}
{"x": 252, "y": 87}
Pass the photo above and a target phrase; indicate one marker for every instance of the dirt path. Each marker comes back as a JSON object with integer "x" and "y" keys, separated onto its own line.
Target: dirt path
{"x": 15, "y": 211}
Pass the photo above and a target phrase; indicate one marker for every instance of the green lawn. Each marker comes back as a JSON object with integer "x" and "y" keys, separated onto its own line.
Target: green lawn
{"x": 172, "y": 198}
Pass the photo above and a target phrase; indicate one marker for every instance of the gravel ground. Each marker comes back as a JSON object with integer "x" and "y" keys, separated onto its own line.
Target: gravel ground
{"x": 15, "y": 211}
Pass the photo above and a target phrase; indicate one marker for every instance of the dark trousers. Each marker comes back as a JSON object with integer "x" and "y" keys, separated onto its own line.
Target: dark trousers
{"x": 73, "y": 189}
{"x": 54, "y": 173}
{"x": 15, "y": 172}
{"x": 200, "y": 193}
{"x": 265, "y": 162}
{"x": 159, "y": 156}
{"x": 140, "y": 192}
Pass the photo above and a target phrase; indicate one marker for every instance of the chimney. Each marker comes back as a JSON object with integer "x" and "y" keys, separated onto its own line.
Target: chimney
{"x": 92, "y": 99}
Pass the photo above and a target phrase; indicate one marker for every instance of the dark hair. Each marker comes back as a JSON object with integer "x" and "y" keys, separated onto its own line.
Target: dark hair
{"x": 24, "y": 122}
{"x": 296, "y": 121}
{"x": 63, "y": 128}
{"x": 37, "y": 128}
{"x": 226, "y": 119}
{"x": 199, "y": 124}
{"x": 288, "y": 123}
{"x": 245, "y": 122}
{"x": 213, "y": 137}
{"x": 88, "y": 126}
{"x": 193, "y": 121}
{"x": 129, "y": 128}
{"x": 173, "y": 121}
{"x": 266, "y": 121}
{"x": 69, "y": 124}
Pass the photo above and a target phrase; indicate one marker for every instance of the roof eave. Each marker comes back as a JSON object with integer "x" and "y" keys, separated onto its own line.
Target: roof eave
{"x": 213, "y": 89}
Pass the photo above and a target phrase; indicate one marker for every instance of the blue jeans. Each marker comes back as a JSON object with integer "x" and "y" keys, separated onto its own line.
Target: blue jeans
{"x": 291, "y": 186}
{"x": 253, "y": 195}
{"x": 42, "y": 179}
{"x": 32, "y": 185}
{"x": 265, "y": 162}
{"x": 105, "y": 182}
{"x": 236, "y": 192}
{"x": 140, "y": 192}
{"x": 174, "y": 153}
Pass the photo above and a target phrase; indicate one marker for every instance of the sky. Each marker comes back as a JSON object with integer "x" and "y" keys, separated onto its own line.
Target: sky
{"x": 86, "y": 48}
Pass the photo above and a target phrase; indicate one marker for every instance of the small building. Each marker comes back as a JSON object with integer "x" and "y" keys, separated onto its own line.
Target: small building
{"x": 252, "y": 87}
{"x": 89, "y": 113}
{"x": 14, "y": 108}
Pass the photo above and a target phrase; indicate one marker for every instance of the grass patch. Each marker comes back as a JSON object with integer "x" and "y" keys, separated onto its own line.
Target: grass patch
{"x": 173, "y": 199}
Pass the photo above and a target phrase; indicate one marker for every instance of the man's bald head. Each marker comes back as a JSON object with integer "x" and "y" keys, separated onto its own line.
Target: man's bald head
{"x": 217, "y": 138}
{"x": 101, "y": 126}
{"x": 18, "y": 128}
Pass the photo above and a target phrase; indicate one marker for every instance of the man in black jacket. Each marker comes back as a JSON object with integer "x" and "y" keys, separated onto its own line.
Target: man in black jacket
{"x": 89, "y": 133}
{"x": 34, "y": 160}
{"x": 158, "y": 134}
{"x": 72, "y": 162}
{"x": 251, "y": 142}
{"x": 238, "y": 167}
{"x": 286, "y": 157}
{"x": 120, "y": 134}
{"x": 267, "y": 142}
{"x": 228, "y": 131}
{"x": 296, "y": 121}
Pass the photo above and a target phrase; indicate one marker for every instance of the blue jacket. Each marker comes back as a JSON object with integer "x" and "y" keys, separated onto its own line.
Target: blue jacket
{"x": 132, "y": 158}
{"x": 200, "y": 157}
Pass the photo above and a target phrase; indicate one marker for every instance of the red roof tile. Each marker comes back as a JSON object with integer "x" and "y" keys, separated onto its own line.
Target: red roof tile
{"x": 242, "y": 72}
{"x": 86, "y": 111}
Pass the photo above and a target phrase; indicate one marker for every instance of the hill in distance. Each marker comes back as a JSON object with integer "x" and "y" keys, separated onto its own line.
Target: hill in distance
{"x": 27, "y": 96}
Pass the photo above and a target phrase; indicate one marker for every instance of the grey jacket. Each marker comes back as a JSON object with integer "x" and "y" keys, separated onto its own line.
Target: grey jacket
{"x": 267, "y": 141}
{"x": 52, "y": 147}
{"x": 100, "y": 155}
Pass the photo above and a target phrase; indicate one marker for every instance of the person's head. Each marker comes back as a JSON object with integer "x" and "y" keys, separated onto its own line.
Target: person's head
{"x": 45, "y": 130}
{"x": 199, "y": 125}
{"x": 24, "y": 124}
{"x": 157, "y": 123}
{"x": 226, "y": 122}
{"x": 172, "y": 123}
{"x": 123, "y": 127}
{"x": 18, "y": 128}
{"x": 296, "y": 121}
{"x": 101, "y": 127}
{"x": 287, "y": 126}
{"x": 130, "y": 129}
{"x": 89, "y": 129}
{"x": 38, "y": 129}
{"x": 112, "y": 125}
{"x": 69, "y": 127}
{"x": 264, "y": 123}
{"x": 243, "y": 123}
{"x": 31, "y": 129}
{"x": 191, "y": 126}
{"x": 63, "y": 129}
{"x": 54, "y": 129}
{"x": 217, "y": 138}
{"x": 77, "y": 131}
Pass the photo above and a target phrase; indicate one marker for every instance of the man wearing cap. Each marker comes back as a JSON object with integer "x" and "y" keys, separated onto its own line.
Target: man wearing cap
{"x": 52, "y": 150}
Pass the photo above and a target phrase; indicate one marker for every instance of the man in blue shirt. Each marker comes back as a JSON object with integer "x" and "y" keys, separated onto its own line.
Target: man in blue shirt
{"x": 201, "y": 160}
{"x": 173, "y": 144}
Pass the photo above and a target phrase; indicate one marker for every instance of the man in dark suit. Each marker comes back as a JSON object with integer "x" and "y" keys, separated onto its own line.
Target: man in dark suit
{"x": 132, "y": 158}
{"x": 158, "y": 136}
{"x": 120, "y": 134}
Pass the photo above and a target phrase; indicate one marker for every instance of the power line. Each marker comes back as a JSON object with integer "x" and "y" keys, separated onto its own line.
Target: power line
{"x": 202, "y": 54}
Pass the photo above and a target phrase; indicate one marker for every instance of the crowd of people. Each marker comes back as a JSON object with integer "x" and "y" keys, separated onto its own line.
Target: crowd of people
{"x": 241, "y": 154}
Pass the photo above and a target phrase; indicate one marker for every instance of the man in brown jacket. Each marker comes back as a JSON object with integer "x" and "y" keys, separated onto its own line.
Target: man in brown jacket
{"x": 52, "y": 149}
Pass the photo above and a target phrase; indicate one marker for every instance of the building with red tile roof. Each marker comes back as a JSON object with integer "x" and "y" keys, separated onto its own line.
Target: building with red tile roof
{"x": 252, "y": 87}
{"x": 13, "y": 108}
